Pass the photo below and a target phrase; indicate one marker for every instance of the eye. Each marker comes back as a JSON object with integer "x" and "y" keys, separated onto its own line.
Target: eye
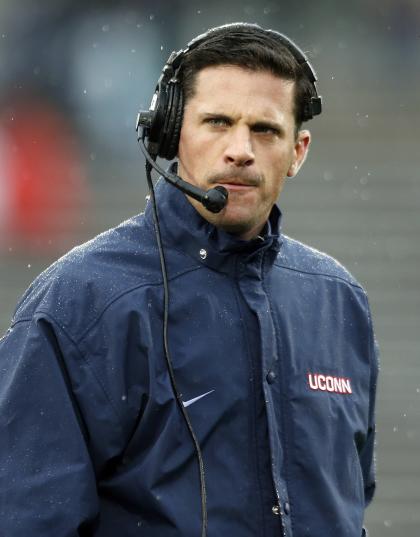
{"x": 264, "y": 128}
{"x": 218, "y": 121}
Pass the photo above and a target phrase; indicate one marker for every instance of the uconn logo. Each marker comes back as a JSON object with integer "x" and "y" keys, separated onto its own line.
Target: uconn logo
{"x": 329, "y": 383}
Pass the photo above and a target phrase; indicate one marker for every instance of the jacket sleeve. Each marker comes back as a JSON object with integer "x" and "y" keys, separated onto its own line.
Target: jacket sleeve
{"x": 47, "y": 481}
{"x": 367, "y": 453}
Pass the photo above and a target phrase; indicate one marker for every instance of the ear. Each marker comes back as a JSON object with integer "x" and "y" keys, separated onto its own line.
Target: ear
{"x": 300, "y": 151}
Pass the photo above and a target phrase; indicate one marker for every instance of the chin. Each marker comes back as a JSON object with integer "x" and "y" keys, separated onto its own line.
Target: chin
{"x": 235, "y": 226}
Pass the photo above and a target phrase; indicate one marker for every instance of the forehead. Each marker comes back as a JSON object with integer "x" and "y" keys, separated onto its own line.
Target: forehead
{"x": 232, "y": 89}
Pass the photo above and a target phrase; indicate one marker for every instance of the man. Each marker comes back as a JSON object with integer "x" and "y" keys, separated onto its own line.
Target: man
{"x": 271, "y": 379}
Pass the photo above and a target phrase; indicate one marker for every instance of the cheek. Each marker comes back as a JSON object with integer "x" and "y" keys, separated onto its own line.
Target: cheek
{"x": 186, "y": 152}
{"x": 275, "y": 173}
{"x": 275, "y": 167}
{"x": 283, "y": 161}
{"x": 274, "y": 189}
{"x": 192, "y": 145}
{"x": 184, "y": 145}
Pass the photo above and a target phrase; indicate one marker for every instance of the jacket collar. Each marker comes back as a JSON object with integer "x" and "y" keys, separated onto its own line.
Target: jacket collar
{"x": 183, "y": 228}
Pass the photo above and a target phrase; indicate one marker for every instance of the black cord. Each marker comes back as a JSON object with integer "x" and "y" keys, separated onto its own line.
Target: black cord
{"x": 168, "y": 357}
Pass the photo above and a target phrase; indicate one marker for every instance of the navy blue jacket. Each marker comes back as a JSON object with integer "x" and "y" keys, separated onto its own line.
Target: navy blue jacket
{"x": 274, "y": 356}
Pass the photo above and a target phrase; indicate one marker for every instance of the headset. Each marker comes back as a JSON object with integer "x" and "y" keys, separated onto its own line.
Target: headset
{"x": 161, "y": 127}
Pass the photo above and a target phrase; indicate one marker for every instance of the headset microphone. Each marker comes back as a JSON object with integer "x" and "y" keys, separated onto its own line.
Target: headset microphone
{"x": 214, "y": 200}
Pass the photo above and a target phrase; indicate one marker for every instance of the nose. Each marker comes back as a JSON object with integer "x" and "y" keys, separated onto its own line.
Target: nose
{"x": 238, "y": 151}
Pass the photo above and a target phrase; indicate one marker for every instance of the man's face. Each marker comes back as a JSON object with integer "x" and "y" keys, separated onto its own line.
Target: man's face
{"x": 239, "y": 131}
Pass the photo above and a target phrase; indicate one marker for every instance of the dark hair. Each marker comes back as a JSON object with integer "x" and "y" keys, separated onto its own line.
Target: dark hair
{"x": 252, "y": 47}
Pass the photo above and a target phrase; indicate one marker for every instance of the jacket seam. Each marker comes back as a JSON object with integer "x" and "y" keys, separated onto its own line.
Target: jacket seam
{"x": 255, "y": 440}
{"x": 324, "y": 274}
{"x": 81, "y": 354}
{"x": 86, "y": 359}
{"x": 20, "y": 320}
{"x": 283, "y": 435}
{"x": 114, "y": 299}
{"x": 374, "y": 370}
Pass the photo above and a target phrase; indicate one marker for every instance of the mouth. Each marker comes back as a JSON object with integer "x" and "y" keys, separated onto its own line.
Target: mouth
{"x": 234, "y": 180}
{"x": 238, "y": 182}
{"x": 237, "y": 187}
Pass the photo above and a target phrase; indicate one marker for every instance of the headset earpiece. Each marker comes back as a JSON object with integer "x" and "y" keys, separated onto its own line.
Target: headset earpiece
{"x": 175, "y": 114}
{"x": 155, "y": 119}
{"x": 172, "y": 120}
{"x": 162, "y": 122}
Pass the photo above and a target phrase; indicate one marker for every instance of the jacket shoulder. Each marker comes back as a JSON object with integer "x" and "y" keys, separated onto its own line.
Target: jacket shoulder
{"x": 77, "y": 287}
{"x": 299, "y": 257}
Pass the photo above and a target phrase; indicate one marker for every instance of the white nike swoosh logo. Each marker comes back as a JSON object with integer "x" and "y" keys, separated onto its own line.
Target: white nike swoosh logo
{"x": 191, "y": 401}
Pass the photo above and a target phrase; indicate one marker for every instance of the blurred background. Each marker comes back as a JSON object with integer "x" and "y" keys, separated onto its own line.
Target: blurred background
{"x": 74, "y": 74}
